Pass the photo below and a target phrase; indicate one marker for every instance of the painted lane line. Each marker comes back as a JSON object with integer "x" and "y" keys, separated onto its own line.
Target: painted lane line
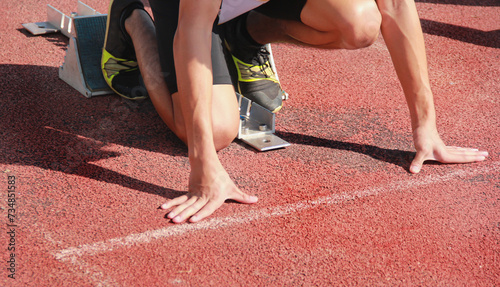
{"x": 69, "y": 254}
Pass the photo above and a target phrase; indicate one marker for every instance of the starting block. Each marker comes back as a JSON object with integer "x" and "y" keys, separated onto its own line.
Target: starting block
{"x": 58, "y": 22}
{"x": 86, "y": 30}
{"x": 257, "y": 126}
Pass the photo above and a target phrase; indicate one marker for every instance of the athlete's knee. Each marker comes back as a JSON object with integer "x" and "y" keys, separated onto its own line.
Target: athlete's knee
{"x": 224, "y": 133}
{"x": 179, "y": 130}
{"x": 225, "y": 116}
{"x": 362, "y": 27}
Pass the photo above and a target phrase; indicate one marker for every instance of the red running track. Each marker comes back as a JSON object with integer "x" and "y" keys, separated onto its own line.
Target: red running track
{"x": 338, "y": 207}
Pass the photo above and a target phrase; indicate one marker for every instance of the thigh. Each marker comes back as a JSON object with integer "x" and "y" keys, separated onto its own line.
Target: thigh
{"x": 283, "y": 9}
{"x": 329, "y": 15}
{"x": 166, "y": 15}
{"x": 225, "y": 113}
{"x": 332, "y": 24}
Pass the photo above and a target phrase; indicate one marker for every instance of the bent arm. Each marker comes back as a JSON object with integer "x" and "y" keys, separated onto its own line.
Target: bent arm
{"x": 404, "y": 39}
{"x": 209, "y": 183}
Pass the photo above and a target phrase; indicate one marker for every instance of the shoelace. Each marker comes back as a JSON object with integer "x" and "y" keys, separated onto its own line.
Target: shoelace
{"x": 262, "y": 58}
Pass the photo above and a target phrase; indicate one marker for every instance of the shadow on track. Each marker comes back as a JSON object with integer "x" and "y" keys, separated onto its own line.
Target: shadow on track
{"x": 396, "y": 157}
{"x": 460, "y": 33}
{"x": 47, "y": 124}
{"x": 58, "y": 39}
{"x": 463, "y": 34}
{"x": 493, "y": 3}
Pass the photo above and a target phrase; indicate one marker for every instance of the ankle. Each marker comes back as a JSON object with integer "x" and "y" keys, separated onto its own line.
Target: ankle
{"x": 247, "y": 36}
{"x": 132, "y": 20}
{"x": 263, "y": 29}
{"x": 138, "y": 21}
{"x": 251, "y": 28}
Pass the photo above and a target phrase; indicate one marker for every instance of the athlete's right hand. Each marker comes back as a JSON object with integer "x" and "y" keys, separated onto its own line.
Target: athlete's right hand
{"x": 209, "y": 187}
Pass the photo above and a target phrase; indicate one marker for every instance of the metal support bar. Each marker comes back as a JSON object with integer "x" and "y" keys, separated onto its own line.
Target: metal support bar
{"x": 85, "y": 10}
{"x": 71, "y": 70}
{"x": 257, "y": 126}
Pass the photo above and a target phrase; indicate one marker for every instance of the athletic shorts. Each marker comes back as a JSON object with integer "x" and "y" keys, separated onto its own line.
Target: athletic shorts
{"x": 166, "y": 14}
{"x": 283, "y": 9}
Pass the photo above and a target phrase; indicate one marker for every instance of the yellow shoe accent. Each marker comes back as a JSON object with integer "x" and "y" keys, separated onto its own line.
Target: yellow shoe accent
{"x": 111, "y": 66}
{"x": 252, "y": 73}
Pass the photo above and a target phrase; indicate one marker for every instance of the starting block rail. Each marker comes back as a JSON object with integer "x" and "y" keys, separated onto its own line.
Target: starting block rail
{"x": 58, "y": 22}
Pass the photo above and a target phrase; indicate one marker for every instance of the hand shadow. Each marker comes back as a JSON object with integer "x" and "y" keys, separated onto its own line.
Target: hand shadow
{"x": 393, "y": 156}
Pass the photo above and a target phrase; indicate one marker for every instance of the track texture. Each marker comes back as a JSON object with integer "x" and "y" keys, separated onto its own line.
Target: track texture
{"x": 338, "y": 207}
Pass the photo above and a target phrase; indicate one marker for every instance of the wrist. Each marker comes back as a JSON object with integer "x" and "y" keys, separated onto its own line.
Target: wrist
{"x": 202, "y": 154}
{"x": 203, "y": 158}
{"x": 423, "y": 121}
{"x": 422, "y": 111}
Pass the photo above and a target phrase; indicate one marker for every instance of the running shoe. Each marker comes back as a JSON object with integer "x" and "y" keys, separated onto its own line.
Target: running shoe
{"x": 257, "y": 80}
{"x": 118, "y": 62}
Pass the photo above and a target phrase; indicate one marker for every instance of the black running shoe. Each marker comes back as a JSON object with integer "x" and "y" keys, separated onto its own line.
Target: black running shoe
{"x": 257, "y": 80}
{"x": 118, "y": 62}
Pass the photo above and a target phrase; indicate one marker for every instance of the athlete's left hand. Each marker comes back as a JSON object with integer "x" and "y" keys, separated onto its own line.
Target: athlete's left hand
{"x": 429, "y": 146}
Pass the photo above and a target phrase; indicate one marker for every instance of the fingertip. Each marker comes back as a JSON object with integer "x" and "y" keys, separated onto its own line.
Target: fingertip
{"x": 194, "y": 219}
{"x": 249, "y": 199}
{"x": 415, "y": 169}
{"x": 168, "y": 204}
{"x": 171, "y": 216}
{"x": 177, "y": 219}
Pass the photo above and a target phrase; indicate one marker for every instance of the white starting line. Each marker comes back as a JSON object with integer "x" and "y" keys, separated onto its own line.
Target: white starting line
{"x": 71, "y": 255}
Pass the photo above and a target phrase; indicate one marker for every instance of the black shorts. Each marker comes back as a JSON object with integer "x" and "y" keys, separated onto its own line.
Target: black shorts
{"x": 283, "y": 9}
{"x": 166, "y": 14}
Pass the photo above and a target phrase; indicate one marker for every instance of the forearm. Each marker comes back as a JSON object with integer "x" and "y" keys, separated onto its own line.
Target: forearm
{"x": 194, "y": 83}
{"x": 192, "y": 47}
{"x": 404, "y": 39}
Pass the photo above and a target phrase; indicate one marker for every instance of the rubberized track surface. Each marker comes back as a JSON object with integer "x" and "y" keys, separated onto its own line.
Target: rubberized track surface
{"x": 338, "y": 207}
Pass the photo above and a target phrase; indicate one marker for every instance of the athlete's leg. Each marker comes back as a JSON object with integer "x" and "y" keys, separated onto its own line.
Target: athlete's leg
{"x": 332, "y": 24}
{"x": 225, "y": 107}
